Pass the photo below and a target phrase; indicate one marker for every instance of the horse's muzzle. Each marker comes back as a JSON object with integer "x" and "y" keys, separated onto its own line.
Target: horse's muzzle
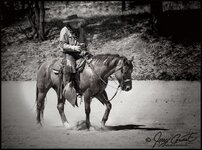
{"x": 128, "y": 88}
{"x": 127, "y": 85}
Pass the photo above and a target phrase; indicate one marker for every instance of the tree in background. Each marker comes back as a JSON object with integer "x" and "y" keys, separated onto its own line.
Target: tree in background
{"x": 123, "y": 6}
{"x": 36, "y": 18}
{"x": 12, "y": 11}
{"x": 156, "y": 12}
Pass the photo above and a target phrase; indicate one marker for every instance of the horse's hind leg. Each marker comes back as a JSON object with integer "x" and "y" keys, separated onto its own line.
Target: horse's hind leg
{"x": 103, "y": 98}
{"x": 40, "y": 99}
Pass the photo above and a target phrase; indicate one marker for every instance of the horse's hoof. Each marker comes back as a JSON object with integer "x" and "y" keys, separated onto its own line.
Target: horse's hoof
{"x": 103, "y": 127}
{"x": 91, "y": 128}
{"x": 67, "y": 125}
{"x": 39, "y": 126}
{"x": 88, "y": 125}
{"x": 102, "y": 124}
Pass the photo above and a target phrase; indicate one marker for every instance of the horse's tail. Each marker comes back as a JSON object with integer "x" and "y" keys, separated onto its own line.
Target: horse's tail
{"x": 38, "y": 118}
{"x": 37, "y": 91}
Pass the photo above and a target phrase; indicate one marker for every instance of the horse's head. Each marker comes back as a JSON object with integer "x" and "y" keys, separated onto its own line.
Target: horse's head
{"x": 123, "y": 75}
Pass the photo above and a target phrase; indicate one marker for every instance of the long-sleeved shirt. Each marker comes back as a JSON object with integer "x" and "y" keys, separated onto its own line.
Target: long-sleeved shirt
{"x": 68, "y": 41}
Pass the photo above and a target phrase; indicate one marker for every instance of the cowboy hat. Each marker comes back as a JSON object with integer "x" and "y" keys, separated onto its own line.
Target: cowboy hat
{"x": 73, "y": 18}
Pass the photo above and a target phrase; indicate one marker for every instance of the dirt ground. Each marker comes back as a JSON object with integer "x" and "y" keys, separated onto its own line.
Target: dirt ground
{"x": 154, "y": 114}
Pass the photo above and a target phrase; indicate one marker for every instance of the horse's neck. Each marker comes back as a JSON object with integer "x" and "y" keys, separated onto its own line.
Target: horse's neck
{"x": 110, "y": 72}
{"x": 105, "y": 71}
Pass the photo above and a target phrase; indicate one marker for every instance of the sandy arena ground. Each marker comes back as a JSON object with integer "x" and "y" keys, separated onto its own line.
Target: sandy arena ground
{"x": 158, "y": 114}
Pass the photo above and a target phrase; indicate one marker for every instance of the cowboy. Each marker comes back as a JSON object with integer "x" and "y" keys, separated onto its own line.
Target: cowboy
{"x": 74, "y": 45}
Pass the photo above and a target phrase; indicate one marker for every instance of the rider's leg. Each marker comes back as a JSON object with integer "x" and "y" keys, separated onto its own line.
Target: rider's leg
{"x": 71, "y": 63}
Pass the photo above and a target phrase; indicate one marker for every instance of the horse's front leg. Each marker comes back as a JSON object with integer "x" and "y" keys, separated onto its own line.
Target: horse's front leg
{"x": 87, "y": 100}
{"x": 103, "y": 98}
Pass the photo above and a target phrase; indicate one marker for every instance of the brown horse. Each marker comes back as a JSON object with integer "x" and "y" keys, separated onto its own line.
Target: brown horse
{"x": 93, "y": 81}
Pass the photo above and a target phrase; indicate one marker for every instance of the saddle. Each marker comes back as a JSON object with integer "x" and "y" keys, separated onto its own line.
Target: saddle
{"x": 57, "y": 66}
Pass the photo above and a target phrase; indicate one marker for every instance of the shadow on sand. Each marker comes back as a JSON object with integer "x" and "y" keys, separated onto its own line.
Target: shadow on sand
{"x": 132, "y": 127}
{"x": 81, "y": 125}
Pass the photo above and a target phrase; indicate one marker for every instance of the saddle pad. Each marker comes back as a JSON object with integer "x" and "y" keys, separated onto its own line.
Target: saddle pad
{"x": 58, "y": 64}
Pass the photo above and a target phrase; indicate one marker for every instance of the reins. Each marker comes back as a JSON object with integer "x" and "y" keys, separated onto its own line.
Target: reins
{"x": 115, "y": 93}
{"x": 89, "y": 64}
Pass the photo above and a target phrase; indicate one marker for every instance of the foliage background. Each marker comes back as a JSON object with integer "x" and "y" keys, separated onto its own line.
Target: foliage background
{"x": 174, "y": 54}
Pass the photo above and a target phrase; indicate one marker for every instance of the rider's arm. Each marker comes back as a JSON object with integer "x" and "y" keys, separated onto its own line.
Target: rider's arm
{"x": 64, "y": 42}
{"x": 68, "y": 48}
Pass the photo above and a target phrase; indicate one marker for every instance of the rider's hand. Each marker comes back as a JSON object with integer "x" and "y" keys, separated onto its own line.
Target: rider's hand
{"x": 82, "y": 45}
{"x": 77, "y": 48}
{"x": 83, "y": 53}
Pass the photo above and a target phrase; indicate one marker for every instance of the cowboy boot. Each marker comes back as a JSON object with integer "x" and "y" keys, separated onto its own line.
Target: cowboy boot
{"x": 69, "y": 91}
{"x": 76, "y": 80}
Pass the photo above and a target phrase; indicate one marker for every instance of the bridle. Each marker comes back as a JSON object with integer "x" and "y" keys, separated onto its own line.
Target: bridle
{"x": 120, "y": 84}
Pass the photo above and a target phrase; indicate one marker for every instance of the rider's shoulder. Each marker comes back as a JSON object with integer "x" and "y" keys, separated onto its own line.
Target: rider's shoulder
{"x": 65, "y": 30}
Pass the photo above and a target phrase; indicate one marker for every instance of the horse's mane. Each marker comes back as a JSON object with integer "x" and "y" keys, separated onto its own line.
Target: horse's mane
{"x": 107, "y": 58}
